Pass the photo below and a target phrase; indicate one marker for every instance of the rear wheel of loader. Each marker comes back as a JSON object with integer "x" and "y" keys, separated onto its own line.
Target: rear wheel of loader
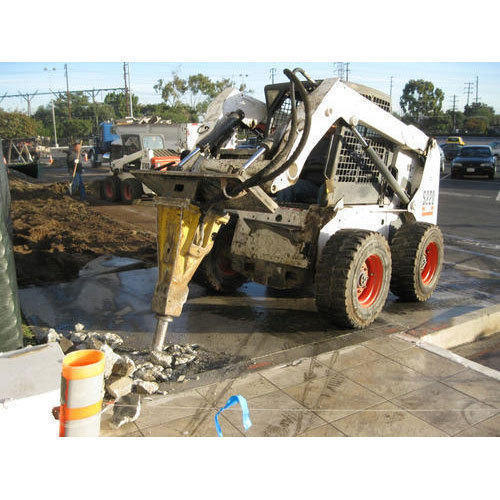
{"x": 111, "y": 189}
{"x": 417, "y": 258}
{"x": 215, "y": 271}
{"x": 130, "y": 190}
{"x": 352, "y": 278}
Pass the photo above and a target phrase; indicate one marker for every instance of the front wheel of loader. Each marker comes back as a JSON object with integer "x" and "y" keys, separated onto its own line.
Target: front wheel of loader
{"x": 417, "y": 258}
{"x": 215, "y": 271}
{"x": 352, "y": 277}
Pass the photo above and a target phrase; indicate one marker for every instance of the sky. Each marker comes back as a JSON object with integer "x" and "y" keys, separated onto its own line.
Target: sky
{"x": 450, "y": 77}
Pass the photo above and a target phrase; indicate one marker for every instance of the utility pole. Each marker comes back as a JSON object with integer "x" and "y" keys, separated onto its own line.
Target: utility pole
{"x": 477, "y": 90}
{"x": 468, "y": 90}
{"x": 272, "y": 72}
{"x": 68, "y": 95}
{"x": 28, "y": 98}
{"x": 93, "y": 94}
{"x": 346, "y": 72}
{"x": 390, "y": 91}
{"x": 54, "y": 124}
{"x": 454, "y": 112}
{"x": 130, "y": 93}
{"x": 127, "y": 90}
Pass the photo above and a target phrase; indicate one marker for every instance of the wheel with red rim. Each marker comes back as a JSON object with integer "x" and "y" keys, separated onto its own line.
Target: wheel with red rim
{"x": 417, "y": 259}
{"x": 352, "y": 277}
{"x": 130, "y": 190}
{"x": 111, "y": 189}
{"x": 215, "y": 271}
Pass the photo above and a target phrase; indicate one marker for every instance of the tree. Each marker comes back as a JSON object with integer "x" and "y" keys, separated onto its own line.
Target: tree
{"x": 118, "y": 102}
{"x": 480, "y": 109}
{"x": 189, "y": 98}
{"x": 75, "y": 129}
{"x": 476, "y": 125}
{"x": 17, "y": 125}
{"x": 420, "y": 100}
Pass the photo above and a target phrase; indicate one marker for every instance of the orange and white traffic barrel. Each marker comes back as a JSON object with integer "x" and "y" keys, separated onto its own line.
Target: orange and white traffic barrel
{"x": 82, "y": 390}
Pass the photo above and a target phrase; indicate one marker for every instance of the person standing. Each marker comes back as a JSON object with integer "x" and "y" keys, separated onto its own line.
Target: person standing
{"x": 74, "y": 162}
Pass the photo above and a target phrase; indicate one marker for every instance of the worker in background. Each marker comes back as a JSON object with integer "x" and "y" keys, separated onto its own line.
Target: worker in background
{"x": 74, "y": 161}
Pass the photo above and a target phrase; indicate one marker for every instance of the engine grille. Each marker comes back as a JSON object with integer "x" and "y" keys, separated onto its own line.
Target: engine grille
{"x": 353, "y": 164}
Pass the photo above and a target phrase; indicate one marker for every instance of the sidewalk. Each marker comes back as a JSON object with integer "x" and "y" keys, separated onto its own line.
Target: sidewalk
{"x": 382, "y": 387}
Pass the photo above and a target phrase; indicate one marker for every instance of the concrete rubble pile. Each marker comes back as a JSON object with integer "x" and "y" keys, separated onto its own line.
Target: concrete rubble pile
{"x": 126, "y": 376}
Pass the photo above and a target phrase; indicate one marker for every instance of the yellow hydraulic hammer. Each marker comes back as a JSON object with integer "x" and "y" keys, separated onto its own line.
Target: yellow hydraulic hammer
{"x": 185, "y": 236}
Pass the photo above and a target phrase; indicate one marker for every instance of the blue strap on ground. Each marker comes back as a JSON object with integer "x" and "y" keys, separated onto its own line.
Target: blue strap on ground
{"x": 245, "y": 414}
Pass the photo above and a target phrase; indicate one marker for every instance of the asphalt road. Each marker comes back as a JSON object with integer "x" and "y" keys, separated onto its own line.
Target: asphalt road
{"x": 468, "y": 215}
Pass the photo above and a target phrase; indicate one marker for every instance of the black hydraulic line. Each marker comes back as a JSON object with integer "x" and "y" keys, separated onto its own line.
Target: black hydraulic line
{"x": 265, "y": 175}
{"x": 384, "y": 170}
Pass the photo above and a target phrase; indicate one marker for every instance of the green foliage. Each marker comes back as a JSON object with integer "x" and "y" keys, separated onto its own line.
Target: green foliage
{"x": 190, "y": 97}
{"x": 117, "y": 102}
{"x": 421, "y": 100}
{"x": 480, "y": 109}
{"x": 476, "y": 125}
{"x": 17, "y": 125}
{"x": 75, "y": 129}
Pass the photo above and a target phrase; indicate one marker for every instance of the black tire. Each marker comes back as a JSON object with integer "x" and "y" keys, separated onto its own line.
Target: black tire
{"x": 417, "y": 259}
{"x": 352, "y": 277}
{"x": 215, "y": 270}
{"x": 130, "y": 190}
{"x": 111, "y": 189}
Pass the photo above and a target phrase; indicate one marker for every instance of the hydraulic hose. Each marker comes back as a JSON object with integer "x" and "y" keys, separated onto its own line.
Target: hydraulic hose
{"x": 266, "y": 174}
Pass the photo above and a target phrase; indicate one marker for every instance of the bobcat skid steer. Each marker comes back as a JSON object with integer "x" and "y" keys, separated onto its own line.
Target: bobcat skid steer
{"x": 338, "y": 194}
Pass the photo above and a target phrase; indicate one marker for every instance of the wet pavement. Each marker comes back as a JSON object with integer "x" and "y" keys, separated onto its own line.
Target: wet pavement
{"x": 254, "y": 326}
{"x": 485, "y": 351}
{"x": 381, "y": 387}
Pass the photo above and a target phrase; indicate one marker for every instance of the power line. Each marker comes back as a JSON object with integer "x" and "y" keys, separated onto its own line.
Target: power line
{"x": 28, "y": 96}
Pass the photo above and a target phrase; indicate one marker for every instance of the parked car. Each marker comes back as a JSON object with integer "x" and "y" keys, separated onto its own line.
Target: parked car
{"x": 495, "y": 147}
{"x": 455, "y": 139}
{"x": 474, "y": 160}
{"x": 451, "y": 151}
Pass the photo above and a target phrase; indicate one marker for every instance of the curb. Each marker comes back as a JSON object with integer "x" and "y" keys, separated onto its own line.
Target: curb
{"x": 466, "y": 328}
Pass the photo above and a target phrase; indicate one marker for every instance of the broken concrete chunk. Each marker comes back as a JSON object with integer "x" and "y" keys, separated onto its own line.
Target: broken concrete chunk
{"x": 143, "y": 387}
{"x": 113, "y": 340}
{"x": 126, "y": 409}
{"x": 124, "y": 367}
{"x": 65, "y": 344}
{"x": 78, "y": 337}
{"x": 94, "y": 343}
{"x": 181, "y": 378}
{"x": 118, "y": 387}
{"x": 184, "y": 358}
{"x": 79, "y": 327}
{"x": 146, "y": 375}
{"x": 53, "y": 336}
{"x": 110, "y": 359}
{"x": 161, "y": 358}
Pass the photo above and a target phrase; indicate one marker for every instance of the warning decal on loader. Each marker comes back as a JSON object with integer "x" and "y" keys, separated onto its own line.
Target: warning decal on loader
{"x": 428, "y": 197}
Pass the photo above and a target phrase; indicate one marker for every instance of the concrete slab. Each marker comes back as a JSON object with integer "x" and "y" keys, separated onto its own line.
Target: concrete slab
{"x": 250, "y": 329}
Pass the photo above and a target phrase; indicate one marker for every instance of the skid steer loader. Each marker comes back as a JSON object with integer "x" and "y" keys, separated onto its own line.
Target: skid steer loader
{"x": 339, "y": 194}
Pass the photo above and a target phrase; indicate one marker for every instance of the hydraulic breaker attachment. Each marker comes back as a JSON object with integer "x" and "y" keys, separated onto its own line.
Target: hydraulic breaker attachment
{"x": 185, "y": 236}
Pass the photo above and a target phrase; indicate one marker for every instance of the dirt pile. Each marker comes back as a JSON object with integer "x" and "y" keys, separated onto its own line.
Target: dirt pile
{"x": 56, "y": 235}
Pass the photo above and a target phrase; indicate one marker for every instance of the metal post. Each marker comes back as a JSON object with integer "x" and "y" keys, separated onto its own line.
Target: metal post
{"x": 54, "y": 123}
{"x": 130, "y": 93}
{"x": 68, "y": 95}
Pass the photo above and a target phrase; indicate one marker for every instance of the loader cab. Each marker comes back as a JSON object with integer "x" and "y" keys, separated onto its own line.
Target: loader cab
{"x": 337, "y": 156}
